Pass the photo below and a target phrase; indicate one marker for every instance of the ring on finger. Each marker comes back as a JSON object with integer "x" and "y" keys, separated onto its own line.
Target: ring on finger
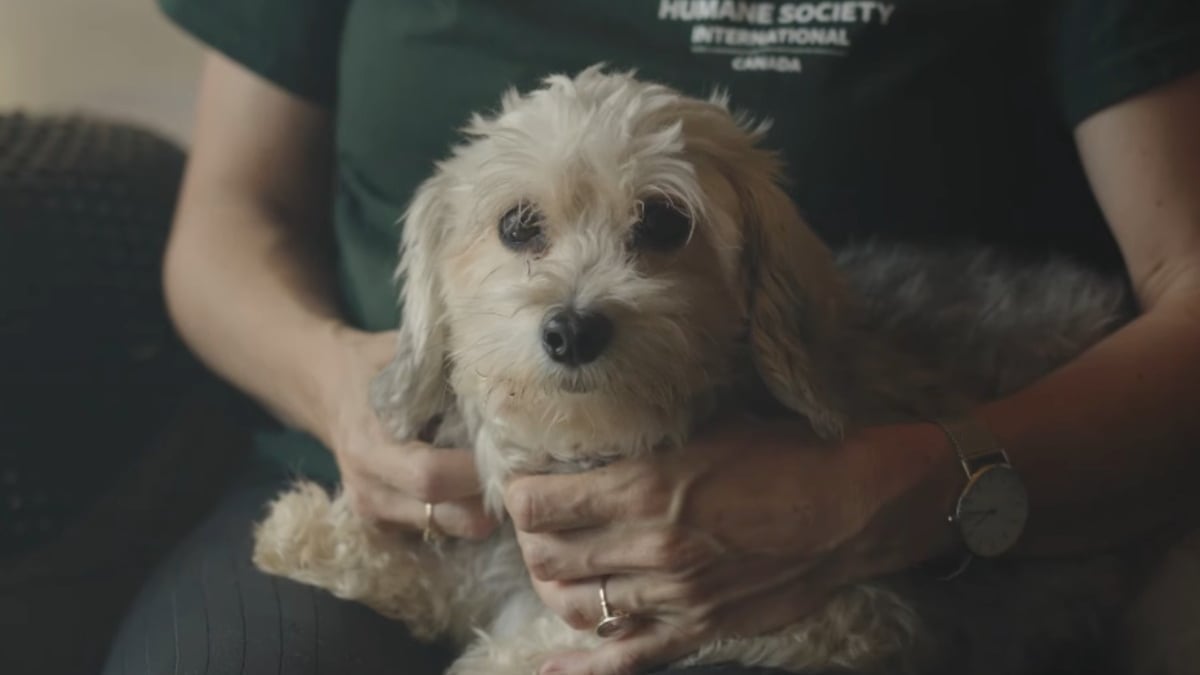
{"x": 615, "y": 624}
{"x": 431, "y": 532}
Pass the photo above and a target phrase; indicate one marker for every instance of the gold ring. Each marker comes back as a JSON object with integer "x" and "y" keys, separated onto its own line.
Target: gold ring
{"x": 614, "y": 624}
{"x": 431, "y": 533}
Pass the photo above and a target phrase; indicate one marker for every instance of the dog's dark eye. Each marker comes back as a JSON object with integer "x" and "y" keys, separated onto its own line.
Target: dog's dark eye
{"x": 663, "y": 227}
{"x": 520, "y": 225}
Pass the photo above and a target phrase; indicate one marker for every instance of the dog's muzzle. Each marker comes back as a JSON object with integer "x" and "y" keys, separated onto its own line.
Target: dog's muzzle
{"x": 574, "y": 338}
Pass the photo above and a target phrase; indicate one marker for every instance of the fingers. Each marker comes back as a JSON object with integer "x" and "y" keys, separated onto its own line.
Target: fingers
{"x": 663, "y": 637}
{"x": 416, "y": 468}
{"x": 595, "y": 552}
{"x": 578, "y": 603}
{"x": 423, "y": 472}
{"x": 363, "y": 446}
{"x": 390, "y": 482}
{"x": 663, "y": 641}
{"x": 462, "y": 518}
{"x": 695, "y": 600}
{"x": 562, "y": 502}
{"x": 554, "y": 503}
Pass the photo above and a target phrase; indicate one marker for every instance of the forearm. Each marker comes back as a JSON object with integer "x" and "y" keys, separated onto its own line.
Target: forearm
{"x": 1107, "y": 444}
{"x": 247, "y": 278}
{"x": 252, "y": 299}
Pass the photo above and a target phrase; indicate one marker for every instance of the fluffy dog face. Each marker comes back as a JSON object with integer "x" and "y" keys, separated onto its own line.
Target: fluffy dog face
{"x": 589, "y": 283}
{"x": 587, "y": 265}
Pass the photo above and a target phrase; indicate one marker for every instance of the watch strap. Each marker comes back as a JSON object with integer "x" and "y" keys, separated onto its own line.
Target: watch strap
{"x": 975, "y": 445}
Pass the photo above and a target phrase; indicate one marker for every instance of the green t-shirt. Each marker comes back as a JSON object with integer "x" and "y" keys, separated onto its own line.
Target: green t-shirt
{"x": 910, "y": 119}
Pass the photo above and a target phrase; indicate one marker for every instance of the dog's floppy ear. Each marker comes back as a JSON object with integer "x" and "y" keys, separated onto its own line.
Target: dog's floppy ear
{"x": 795, "y": 304}
{"x": 413, "y": 391}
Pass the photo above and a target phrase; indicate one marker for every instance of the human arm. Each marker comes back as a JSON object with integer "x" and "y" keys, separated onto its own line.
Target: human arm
{"x": 749, "y": 534}
{"x": 1108, "y": 445}
{"x": 248, "y": 283}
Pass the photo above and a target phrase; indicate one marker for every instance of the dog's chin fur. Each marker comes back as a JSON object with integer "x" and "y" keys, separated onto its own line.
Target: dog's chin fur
{"x": 751, "y": 304}
{"x": 548, "y": 419}
{"x": 549, "y": 427}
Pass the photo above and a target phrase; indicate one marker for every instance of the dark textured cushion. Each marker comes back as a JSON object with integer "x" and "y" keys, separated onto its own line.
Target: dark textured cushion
{"x": 89, "y": 364}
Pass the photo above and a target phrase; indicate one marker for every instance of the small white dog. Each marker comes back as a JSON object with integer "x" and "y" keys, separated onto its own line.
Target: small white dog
{"x": 603, "y": 264}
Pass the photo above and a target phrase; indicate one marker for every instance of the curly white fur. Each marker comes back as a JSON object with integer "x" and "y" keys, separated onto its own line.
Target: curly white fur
{"x": 753, "y": 303}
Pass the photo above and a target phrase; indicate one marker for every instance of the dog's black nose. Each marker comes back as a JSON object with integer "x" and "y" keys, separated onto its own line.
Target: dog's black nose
{"x": 574, "y": 338}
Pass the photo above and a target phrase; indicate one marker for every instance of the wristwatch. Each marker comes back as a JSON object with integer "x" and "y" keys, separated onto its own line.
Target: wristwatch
{"x": 991, "y": 511}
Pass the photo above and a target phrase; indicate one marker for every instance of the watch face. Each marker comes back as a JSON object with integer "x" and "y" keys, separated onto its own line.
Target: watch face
{"x": 992, "y": 511}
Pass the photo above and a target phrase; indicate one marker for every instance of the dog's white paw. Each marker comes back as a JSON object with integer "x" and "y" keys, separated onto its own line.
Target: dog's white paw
{"x": 315, "y": 540}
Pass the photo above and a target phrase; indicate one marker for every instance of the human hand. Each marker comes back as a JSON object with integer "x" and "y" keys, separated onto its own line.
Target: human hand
{"x": 387, "y": 481}
{"x": 750, "y": 528}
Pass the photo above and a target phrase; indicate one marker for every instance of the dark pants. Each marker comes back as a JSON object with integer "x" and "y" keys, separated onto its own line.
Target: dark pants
{"x": 207, "y": 610}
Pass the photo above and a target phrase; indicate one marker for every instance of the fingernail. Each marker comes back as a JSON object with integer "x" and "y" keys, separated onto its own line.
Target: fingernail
{"x": 551, "y": 668}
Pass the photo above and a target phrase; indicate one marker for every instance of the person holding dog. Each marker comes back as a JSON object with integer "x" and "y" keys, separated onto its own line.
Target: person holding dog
{"x": 1066, "y": 128}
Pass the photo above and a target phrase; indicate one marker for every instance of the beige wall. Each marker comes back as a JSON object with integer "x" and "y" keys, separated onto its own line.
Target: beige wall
{"x": 114, "y": 57}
